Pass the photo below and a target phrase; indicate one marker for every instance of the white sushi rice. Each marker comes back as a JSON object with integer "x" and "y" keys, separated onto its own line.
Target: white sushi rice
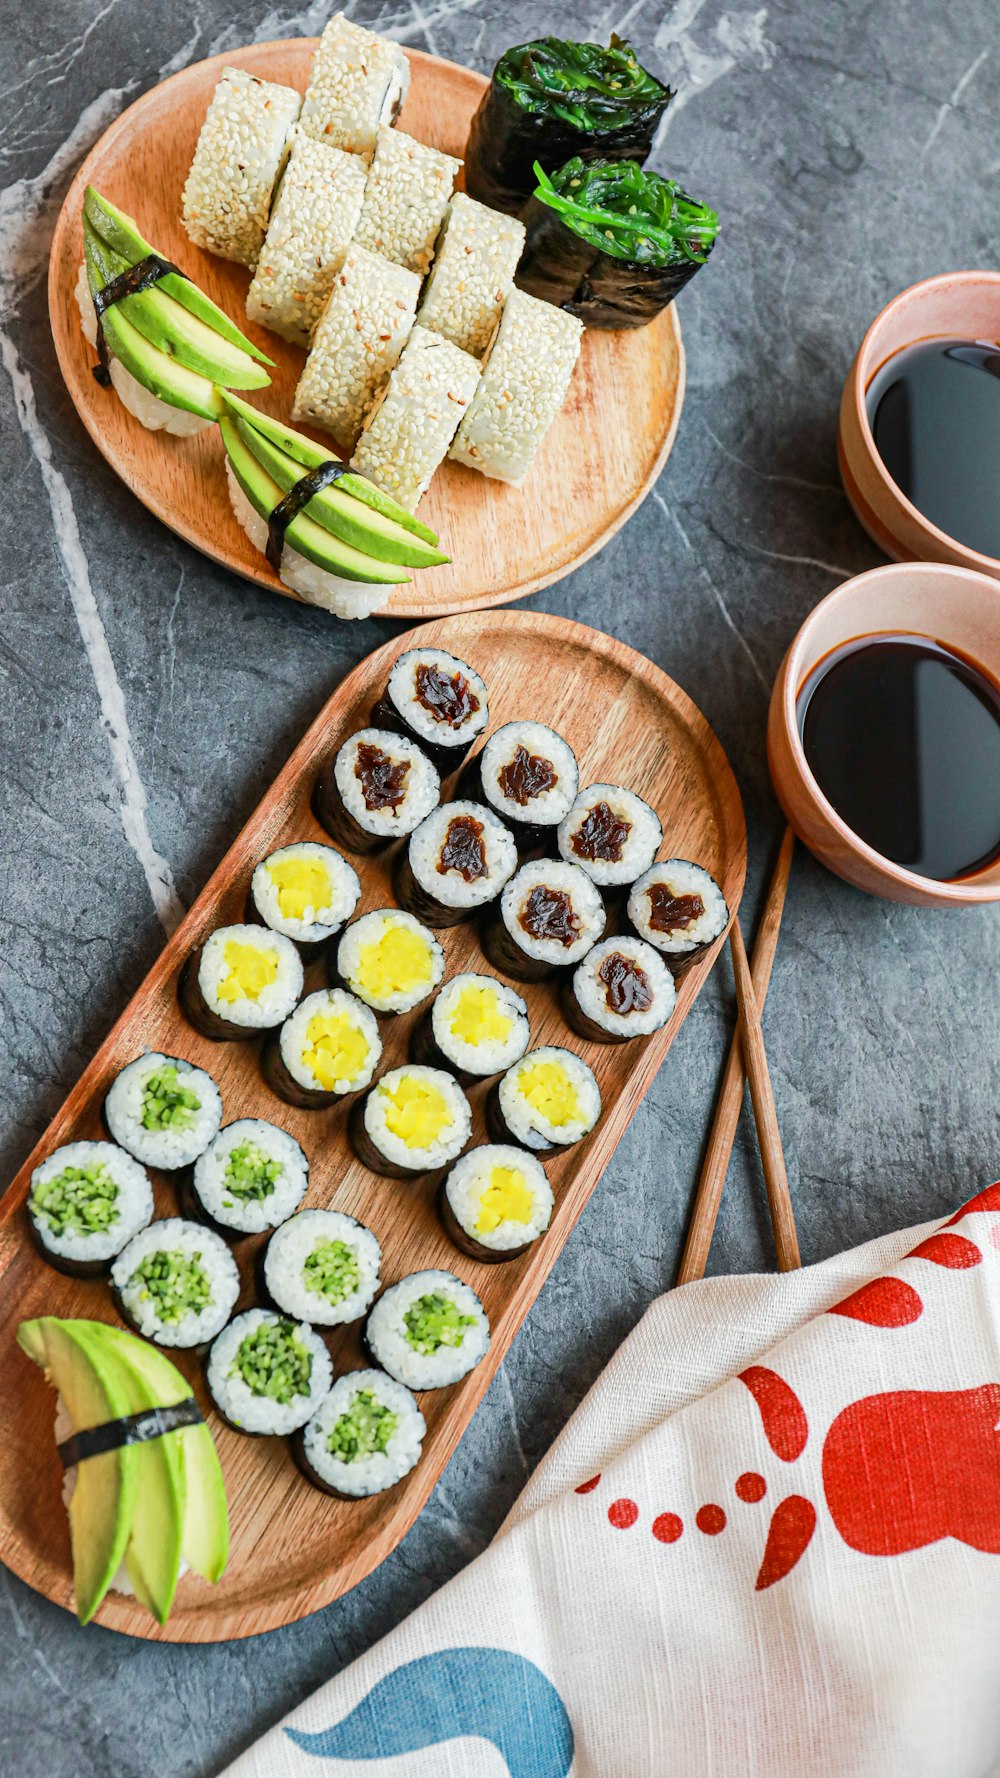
{"x": 297, "y": 1042}
{"x": 563, "y": 879}
{"x": 475, "y": 261}
{"x": 449, "y": 886}
{"x": 471, "y": 1183}
{"x": 358, "y": 83}
{"x": 217, "y": 1186}
{"x": 262, "y": 1008}
{"x": 334, "y": 903}
{"x": 524, "y": 384}
{"x": 372, "y": 1472}
{"x": 637, "y": 848}
{"x": 288, "y": 1278}
{"x": 314, "y": 585}
{"x": 479, "y": 1052}
{"x": 315, "y": 214}
{"x": 188, "y": 1242}
{"x": 421, "y": 785}
{"x": 142, "y": 404}
{"x": 408, "y": 430}
{"x": 252, "y": 1410}
{"x": 528, "y": 1116}
{"x": 393, "y": 1347}
{"x": 130, "y": 1205}
{"x": 402, "y": 694}
{"x": 547, "y": 807}
{"x": 368, "y": 943}
{"x": 176, "y": 1141}
{"x": 680, "y": 877}
{"x": 381, "y": 1112}
{"x": 592, "y": 994}
{"x": 238, "y": 159}
{"x": 408, "y": 188}
{"x": 356, "y": 343}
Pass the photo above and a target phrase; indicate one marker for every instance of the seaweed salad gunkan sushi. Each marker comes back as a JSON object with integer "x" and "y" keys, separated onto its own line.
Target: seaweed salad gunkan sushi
{"x": 550, "y": 100}
{"x": 611, "y": 242}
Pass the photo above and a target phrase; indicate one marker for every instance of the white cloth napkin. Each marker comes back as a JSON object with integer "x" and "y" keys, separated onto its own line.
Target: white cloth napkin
{"x": 767, "y": 1545}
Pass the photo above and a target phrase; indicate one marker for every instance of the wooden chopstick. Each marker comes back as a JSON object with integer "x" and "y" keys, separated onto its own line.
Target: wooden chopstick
{"x": 779, "y": 1198}
{"x": 730, "y": 1099}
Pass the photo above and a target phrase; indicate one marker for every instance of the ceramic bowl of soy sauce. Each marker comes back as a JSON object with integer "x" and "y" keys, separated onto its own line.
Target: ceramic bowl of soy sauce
{"x": 919, "y": 433}
{"x": 883, "y": 734}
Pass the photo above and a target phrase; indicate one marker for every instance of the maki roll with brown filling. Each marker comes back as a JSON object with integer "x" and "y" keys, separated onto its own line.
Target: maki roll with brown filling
{"x": 458, "y": 860}
{"x": 549, "y": 916}
{"x": 612, "y": 834}
{"x": 622, "y": 989}
{"x": 679, "y": 908}
{"x": 529, "y": 776}
{"x": 552, "y": 99}
{"x": 378, "y": 787}
{"x": 548, "y": 1100}
{"x": 436, "y": 699}
{"x": 612, "y": 243}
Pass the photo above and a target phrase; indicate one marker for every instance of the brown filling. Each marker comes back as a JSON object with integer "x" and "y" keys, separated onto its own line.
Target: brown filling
{"x": 626, "y": 988}
{"x": 548, "y": 913}
{"x": 463, "y": 848}
{"x": 451, "y": 700}
{"x": 525, "y": 776}
{"x": 669, "y": 912}
{"x": 382, "y": 780}
{"x": 601, "y": 835}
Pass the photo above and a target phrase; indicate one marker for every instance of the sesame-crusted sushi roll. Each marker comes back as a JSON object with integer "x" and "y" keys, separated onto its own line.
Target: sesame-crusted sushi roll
{"x": 455, "y": 862}
{"x": 314, "y": 216}
{"x": 524, "y": 384}
{"x": 548, "y": 1100}
{"x": 548, "y": 917}
{"x": 304, "y": 891}
{"x": 266, "y": 1374}
{"x": 85, "y": 1202}
{"x": 238, "y": 161}
{"x": 414, "y": 1120}
{"x": 357, "y": 86}
{"x": 328, "y": 1048}
{"x": 176, "y": 1283}
{"x": 251, "y": 1178}
{"x": 356, "y": 344}
{"x": 473, "y": 272}
{"x": 163, "y": 1111}
{"x": 242, "y": 981}
{"x": 437, "y": 700}
{"x": 364, "y": 1438}
{"x": 613, "y": 834}
{"x": 428, "y": 1330}
{"x": 622, "y": 989}
{"x": 529, "y": 776}
{"x": 321, "y": 1267}
{"x": 378, "y": 787}
{"x": 495, "y": 1202}
{"x": 405, "y": 200}
{"x": 407, "y": 433}
{"x": 679, "y": 908}
{"x": 476, "y": 1027}
{"x": 389, "y": 960}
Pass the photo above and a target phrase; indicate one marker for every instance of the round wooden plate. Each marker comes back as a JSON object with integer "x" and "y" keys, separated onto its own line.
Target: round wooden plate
{"x": 602, "y": 455}
{"x": 293, "y": 1549}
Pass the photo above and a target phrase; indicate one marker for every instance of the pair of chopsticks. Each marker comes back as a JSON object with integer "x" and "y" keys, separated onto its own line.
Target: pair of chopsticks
{"x": 747, "y": 1062}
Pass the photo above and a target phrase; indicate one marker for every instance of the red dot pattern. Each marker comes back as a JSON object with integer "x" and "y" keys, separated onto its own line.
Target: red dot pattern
{"x": 586, "y": 1487}
{"x": 667, "y": 1527}
{"x": 750, "y": 1487}
{"x": 622, "y": 1514}
{"x": 710, "y": 1519}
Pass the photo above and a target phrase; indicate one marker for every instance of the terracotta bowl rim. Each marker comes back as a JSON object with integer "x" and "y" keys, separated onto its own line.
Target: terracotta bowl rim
{"x": 966, "y": 892}
{"x": 965, "y": 556}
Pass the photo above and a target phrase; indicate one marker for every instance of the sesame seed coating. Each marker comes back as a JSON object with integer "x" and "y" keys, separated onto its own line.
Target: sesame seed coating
{"x": 410, "y": 429}
{"x": 318, "y": 205}
{"x": 357, "y": 341}
{"x": 523, "y": 386}
{"x": 406, "y": 196}
{"x": 358, "y": 83}
{"x": 238, "y": 160}
{"x": 477, "y": 256}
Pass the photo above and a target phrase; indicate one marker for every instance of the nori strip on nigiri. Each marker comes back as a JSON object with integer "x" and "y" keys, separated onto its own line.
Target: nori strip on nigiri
{"x": 552, "y": 99}
{"x": 612, "y": 243}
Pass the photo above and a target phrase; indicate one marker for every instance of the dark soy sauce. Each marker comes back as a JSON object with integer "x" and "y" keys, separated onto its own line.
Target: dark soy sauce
{"x": 903, "y": 738}
{"x": 934, "y": 411}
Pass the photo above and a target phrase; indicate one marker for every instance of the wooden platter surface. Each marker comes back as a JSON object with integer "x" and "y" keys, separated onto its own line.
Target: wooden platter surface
{"x": 602, "y": 455}
{"x": 295, "y": 1550}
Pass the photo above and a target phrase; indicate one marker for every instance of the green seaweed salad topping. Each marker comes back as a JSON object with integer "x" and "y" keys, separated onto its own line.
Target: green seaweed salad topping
{"x": 272, "y": 1361}
{"x": 434, "y": 1321}
{"x": 166, "y": 1103}
{"x": 77, "y": 1200}
{"x": 332, "y": 1270}
{"x": 176, "y": 1283}
{"x": 250, "y": 1173}
{"x": 628, "y": 212}
{"x": 364, "y": 1430}
{"x": 587, "y": 86}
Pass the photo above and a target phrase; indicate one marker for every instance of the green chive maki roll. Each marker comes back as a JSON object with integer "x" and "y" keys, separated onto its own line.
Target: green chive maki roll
{"x": 428, "y": 1330}
{"x": 552, "y": 99}
{"x": 163, "y": 1111}
{"x": 251, "y": 1178}
{"x": 365, "y": 1437}
{"x": 85, "y": 1202}
{"x": 612, "y": 243}
{"x": 176, "y": 1283}
{"x": 321, "y": 1267}
{"x": 266, "y": 1374}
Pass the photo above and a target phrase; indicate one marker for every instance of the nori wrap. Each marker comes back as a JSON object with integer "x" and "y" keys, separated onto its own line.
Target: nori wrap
{"x": 611, "y": 243}
{"x": 550, "y": 100}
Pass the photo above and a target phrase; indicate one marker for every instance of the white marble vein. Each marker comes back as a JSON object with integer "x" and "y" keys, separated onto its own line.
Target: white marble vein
{"x": 691, "y": 67}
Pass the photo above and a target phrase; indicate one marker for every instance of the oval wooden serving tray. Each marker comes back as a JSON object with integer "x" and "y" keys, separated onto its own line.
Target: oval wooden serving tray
{"x": 293, "y": 1549}
{"x": 602, "y": 455}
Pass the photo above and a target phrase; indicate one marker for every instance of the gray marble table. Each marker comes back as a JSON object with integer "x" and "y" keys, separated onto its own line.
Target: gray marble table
{"x": 148, "y": 698}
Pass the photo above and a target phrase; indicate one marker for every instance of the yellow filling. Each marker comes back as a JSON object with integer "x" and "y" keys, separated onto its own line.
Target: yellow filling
{"x": 303, "y": 886}
{"x": 334, "y": 1049}
{"x": 479, "y": 1017}
{"x": 549, "y": 1090}
{"x": 507, "y": 1198}
{"x": 395, "y": 963}
{"x": 251, "y": 970}
{"x": 416, "y": 1112}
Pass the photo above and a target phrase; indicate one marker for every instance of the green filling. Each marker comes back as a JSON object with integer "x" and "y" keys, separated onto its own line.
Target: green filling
{"x": 166, "y": 1104}
{"x": 176, "y": 1283}
{"x": 250, "y": 1173}
{"x": 332, "y": 1270}
{"x": 434, "y": 1321}
{"x": 584, "y": 84}
{"x": 628, "y": 213}
{"x": 77, "y": 1201}
{"x": 273, "y": 1362}
{"x": 364, "y": 1430}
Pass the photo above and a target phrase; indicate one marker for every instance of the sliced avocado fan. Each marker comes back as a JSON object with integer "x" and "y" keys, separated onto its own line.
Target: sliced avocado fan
{"x": 163, "y": 375}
